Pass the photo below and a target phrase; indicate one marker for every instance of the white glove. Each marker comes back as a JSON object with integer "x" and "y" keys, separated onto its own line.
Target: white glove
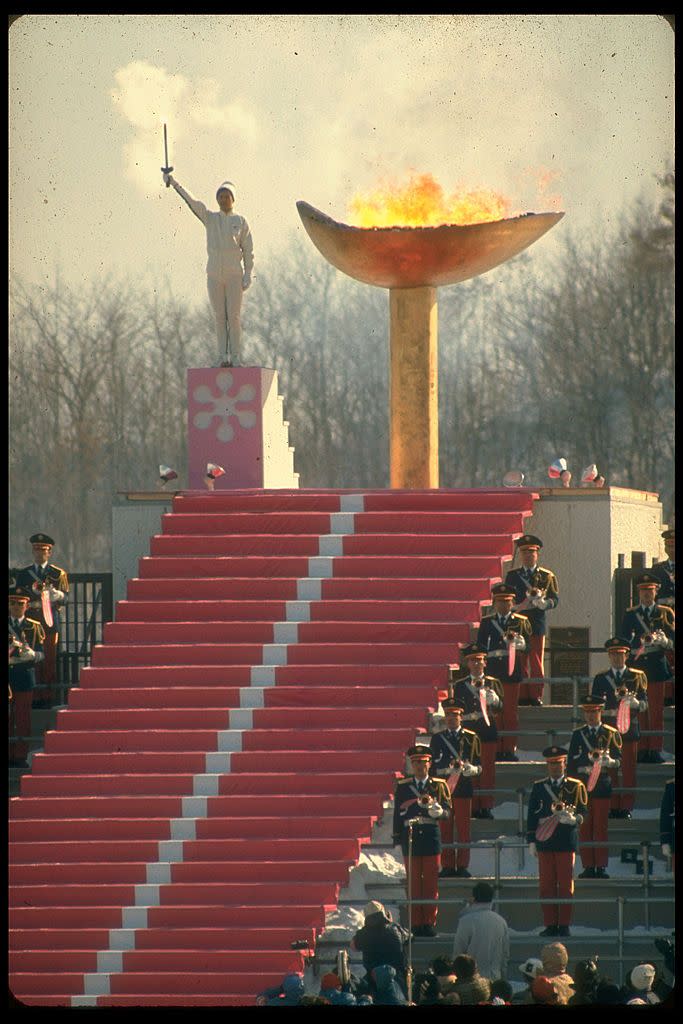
{"x": 491, "y": 698}
{"x": 435, "y": 810}
{"x": 56, "y": 595}
{"x": 633, "y": 702}
{"x": 519, "y": 643}
{"x": 541, "y": 603}
{"x": 532, "y": 849}
{"x": 642, "y": 705}
{"x": 666, "y": 849}
{"x": 585, "y": 770}
{"x": 470, "y": 769}
{"x": 246, "y": 282}
{"x": 27, "y": 654}
{"x": 168, "y": 179}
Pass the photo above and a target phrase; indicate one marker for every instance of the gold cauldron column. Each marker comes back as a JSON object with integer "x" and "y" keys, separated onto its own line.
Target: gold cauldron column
{"x": 412, "y": 263}
{"x": 413, "y": 390}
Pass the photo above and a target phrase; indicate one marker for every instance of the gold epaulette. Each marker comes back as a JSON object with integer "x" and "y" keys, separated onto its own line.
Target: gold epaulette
{"x": 634, "y": 608}
{"x": 610, "y": 728}
{"x": 580, "y": 791}
{"x": 469, "y": 732}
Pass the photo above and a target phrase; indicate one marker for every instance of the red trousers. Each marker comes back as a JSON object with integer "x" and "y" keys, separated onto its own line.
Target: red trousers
{"x": 510, "y": 717}
{"x": 457, "y": 828}
{"x": 424, "y": 885}
{"x": 487, "y": 779}
{"x": 654, "y": 716}
{"x": 46, "y": 671}
{"x": 20, "y": 723}
{"x": 629, "y": 755}
{"x": 556, "y": 880}
{"x": 594, "y": 829}
{"x": 533, "y": 668}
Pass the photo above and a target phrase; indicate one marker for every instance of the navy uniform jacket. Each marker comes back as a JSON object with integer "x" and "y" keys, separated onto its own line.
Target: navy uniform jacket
{"x": 490, "y": 637}
{"x": 465, "y": 692}
{"x": 448, "y": 745}
{"x": 604, "y": 684}
{"x": 427, "y": 834}
{"x": 654, "y": 664}
{"x": 521, "y": 581}
{"x": 29, "y": 578}
{"x": 667, "y": 815}
{"x": 22, "y": 675}
{"x": 666, "y": 574}
{"x": 565, "y": 838}
{"x": 578, "y": 759}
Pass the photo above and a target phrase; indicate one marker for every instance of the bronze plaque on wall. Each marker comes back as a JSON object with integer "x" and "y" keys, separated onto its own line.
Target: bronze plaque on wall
{"x": 563, "y": 660}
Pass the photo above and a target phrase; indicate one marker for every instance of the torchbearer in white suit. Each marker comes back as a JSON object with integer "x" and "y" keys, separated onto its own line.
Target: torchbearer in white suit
{"x": 228, "y": 270}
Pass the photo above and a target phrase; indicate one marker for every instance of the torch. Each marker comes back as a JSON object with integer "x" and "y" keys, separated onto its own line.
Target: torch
{"x": 166, "y": 169}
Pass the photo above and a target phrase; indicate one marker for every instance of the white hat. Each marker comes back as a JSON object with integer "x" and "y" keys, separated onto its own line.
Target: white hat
{"x": 227, "y": 185}
{"x": 642, "y": 976}
{"x": 373, "y": 907}
{"x": 531, "y": 968}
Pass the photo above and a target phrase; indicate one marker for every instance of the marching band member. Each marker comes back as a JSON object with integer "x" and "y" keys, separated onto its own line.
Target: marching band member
{"x": 650, "y": 629}
{"x": 625, "y": 692}
{"x": 25, "y": 652}
{"x": 666, "y": 574}
{"x": 455, "y": 758}
{"x": 48, "y": 586}
{"x": 536, "y": 591}
{"x": 504, "y": 635}
{"x": 556, "y": 804}
{"x": 593, "y": 748}
{"x": 482, "y": 696}
{"x": 419, "y": 802}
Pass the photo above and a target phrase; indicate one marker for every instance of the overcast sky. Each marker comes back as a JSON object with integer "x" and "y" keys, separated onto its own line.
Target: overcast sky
{"x": 572, "y": 112}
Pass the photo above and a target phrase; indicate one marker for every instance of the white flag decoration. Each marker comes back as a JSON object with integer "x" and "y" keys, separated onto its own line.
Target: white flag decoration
{"x": 166, "y": 474}
{"x": 213, "y": 471}
{"x": 557, "y": 468}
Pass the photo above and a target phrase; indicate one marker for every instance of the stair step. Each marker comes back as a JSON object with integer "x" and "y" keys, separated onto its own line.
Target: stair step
{"x": 313, "y": 674}
{"x": 285, "y": 697}
{"x": 296, "y": 633}
{"x": 277, "y": 611}
{"x": 436, "y": 654}
{"x": 320, "y": 523}
{"x": 210, "y": 587}
{"x": 241, "y": 545}
{"x": 457, "y": 566}
{"x": 198, "y": 872}
{"x": 197, "y": 893}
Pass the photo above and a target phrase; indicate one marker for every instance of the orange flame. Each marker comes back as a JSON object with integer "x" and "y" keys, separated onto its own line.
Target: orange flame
{"x": 421, "y": 202}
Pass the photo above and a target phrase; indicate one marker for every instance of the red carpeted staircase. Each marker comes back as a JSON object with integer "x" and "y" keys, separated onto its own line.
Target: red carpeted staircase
{"x": 204, "y": 795}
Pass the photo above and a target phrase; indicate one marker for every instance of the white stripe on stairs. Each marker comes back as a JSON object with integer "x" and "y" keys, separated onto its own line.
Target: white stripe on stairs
{"x": 308, "y": 589}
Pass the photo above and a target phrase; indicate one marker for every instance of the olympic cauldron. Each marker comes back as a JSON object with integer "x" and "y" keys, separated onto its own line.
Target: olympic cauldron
{"x": 412, "y": 262}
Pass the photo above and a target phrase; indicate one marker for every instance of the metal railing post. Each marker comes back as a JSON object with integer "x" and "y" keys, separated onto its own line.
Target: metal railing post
{"x": 497, "y": 847}
{"x": 620, "y": 937}
{"x": 521, "y": 830}
{"x": 645, "y": 845}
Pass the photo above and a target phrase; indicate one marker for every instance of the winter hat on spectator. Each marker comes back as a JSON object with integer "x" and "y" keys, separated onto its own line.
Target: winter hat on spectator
{"x": 373, "y": 907}
{"x": 544, "y": 991}
{"x": 555, "y": 958}
{"x": 531, "y": 968}
{"x": 329, "y": 981}
{"x": 293, "y": 984}
{"x": 642, "y": 976}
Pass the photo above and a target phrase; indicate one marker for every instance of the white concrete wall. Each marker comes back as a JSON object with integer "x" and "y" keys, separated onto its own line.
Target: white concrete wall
{"x": 583, "y": 533}
{"x": 134, "y": 522}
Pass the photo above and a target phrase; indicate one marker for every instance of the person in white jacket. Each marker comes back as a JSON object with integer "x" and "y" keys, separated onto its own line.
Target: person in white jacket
{"x": 483, "y": 934}
{"x": 228, "y": 271}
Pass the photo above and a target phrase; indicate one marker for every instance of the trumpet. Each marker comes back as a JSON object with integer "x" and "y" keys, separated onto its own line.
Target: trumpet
{"x": 623, "y": 691}
{"x": 557, "y": 806}
{"x": 597, "y": 753}
{"x": 425, "y": 800}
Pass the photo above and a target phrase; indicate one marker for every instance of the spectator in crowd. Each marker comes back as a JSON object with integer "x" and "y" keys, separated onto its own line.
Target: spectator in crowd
{"x": 544, "y": 990}
{"x": 529, "y": 970}
{"x": 607, "y": 993}
{"x": 483, "y": 934}
{"x": 470, "y": 986}
{"x": 26, "y": 638}
{"x": 381, "y": 941}
{"x": 427, "y": 989}
{"x": 501, "y": 990}
{"x": 586, "y": 978}
{"x": 289, "y": 993}
{"x": 38, "y": 579}
{"x": 639, "y": 984}
{"x": 387, "y": 990}
{"x": 536, "y": 592}
{"x": 555, "y": 958}
{"x": 650, "y": 629}
{"x": 443, "y": 969}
